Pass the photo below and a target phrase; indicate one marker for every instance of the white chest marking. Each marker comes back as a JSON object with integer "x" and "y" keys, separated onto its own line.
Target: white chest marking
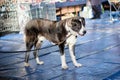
{"x": 71, "y": 40}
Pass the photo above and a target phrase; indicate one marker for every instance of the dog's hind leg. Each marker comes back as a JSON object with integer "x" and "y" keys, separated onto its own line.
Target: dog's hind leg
{"x": 35, "y": 53}
{"x": 29, "y": 45}
{"x": 63, "y": 60}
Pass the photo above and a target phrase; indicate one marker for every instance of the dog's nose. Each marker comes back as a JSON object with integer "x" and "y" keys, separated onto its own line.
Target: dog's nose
{"x": 84, "y": 32}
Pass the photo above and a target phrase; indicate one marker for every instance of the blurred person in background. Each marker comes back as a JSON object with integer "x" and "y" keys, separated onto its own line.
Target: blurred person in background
{"x": 96, "y": 8}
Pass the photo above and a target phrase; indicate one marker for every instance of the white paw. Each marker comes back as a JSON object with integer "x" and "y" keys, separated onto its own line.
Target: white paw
{"x": 65, "y": 67}
{"x": 78, "y": 65}
{"x": 40, "y": 62}
{"x": 27, "y": 64}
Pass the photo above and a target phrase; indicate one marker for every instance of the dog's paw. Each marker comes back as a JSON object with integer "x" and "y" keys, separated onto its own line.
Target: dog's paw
{"x": 27, "y": 64}
{"x": 78, "y": 65}
{"x": 40, "y": 63}
{"x": 65, "y": 67}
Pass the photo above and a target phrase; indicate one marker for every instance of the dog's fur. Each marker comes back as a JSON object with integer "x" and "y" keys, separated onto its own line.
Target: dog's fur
{"x": 61, "y": 33}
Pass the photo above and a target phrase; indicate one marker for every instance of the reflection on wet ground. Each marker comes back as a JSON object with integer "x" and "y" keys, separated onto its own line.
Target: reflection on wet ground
{"x": 98, "y": 51}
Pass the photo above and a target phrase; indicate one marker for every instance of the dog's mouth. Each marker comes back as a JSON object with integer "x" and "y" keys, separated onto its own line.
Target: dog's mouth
{"x": 81, "y": 34}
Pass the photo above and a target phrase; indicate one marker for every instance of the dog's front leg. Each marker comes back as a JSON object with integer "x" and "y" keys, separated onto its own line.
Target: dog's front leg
{"x": 72, "y": 54}
{"x": 63, "y": 60}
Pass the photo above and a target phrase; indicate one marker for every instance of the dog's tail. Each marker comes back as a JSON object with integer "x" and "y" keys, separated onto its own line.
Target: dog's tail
{"x": 31, "y": 28}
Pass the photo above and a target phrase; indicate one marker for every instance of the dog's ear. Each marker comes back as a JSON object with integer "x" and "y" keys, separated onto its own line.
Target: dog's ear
{"x": 74, "y": 19}
{"x": 82, "y": 19}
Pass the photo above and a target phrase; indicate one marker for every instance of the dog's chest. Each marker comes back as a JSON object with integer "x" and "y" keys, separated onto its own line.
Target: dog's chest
{"x": 71, "y": 40}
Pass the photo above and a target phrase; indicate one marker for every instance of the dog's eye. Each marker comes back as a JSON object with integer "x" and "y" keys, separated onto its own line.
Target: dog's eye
{"x": 75, "y": 25}
{"x": 76, "y": 28}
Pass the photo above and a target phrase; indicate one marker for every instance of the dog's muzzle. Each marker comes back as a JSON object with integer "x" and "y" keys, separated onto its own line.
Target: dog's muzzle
{"x": 83, "y": 33}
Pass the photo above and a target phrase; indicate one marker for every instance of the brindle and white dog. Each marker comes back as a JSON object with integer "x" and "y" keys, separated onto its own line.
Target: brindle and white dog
{"x": 59, "y": 32}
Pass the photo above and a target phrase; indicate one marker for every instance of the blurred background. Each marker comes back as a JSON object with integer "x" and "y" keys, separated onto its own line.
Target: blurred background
{"x": 15, "y": 13}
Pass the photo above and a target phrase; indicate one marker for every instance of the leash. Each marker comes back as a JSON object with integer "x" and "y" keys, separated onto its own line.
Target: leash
{"x": 35, "y": 49}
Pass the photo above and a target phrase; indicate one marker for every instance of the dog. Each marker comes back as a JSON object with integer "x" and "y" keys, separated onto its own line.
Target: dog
{"x": 59, "y": 32}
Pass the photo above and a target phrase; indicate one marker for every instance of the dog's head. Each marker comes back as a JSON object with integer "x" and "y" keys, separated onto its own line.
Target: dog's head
{"x": 76, "y": 26}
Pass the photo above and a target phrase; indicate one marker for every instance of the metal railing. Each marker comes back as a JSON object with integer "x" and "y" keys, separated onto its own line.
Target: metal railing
{"x": 8, "y": 21}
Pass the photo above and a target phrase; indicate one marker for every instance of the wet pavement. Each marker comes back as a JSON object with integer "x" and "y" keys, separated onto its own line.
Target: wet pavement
{"x": 98, "y": 51}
